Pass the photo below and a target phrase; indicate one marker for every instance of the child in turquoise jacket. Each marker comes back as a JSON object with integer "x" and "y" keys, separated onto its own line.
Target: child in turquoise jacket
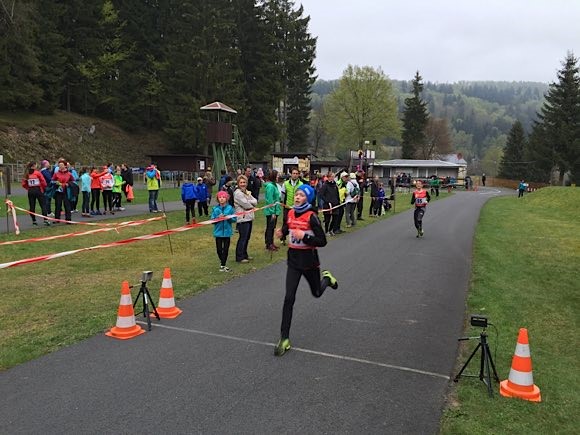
{"x": 222, "y": 230}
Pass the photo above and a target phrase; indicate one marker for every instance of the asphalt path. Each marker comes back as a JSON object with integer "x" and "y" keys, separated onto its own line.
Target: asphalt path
{"x": 374, "y": 356}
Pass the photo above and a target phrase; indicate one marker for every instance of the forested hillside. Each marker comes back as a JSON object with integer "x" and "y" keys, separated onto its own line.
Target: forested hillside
{"x": 480, "y": 114}
{"x": 146, "y": 64}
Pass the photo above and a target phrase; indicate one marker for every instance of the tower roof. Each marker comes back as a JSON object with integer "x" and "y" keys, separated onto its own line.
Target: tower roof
{"x": 216, "y": 105}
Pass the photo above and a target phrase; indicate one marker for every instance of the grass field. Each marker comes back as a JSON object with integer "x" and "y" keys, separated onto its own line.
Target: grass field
{"x": 54, "y": 303}
{"x": 525, "y": 274}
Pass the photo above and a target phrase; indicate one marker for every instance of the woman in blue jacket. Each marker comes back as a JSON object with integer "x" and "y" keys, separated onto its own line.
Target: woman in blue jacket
{"x": 222, "y": 230}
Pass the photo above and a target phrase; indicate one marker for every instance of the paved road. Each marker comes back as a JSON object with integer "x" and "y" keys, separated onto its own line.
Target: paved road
{"x": 375, "y": 356}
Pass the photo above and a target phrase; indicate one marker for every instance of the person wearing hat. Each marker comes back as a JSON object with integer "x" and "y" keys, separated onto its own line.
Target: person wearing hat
{"x": 352, "y": 196}
{"x": 202, "y": 195}
{"x": 222, "y": 229}
{"x": 305, "y": 235}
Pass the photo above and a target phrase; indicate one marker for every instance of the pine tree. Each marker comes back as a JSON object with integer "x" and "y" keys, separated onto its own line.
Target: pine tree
{"x": 560, "y": 118}
{"x": 52, "y": 53}
{"x": 294, "y": 49}
{"x": 261, "y": 86}
{"x": 19, "y": 65}
{"x": 512, "y": 165}
{"x": 415, "y": 118}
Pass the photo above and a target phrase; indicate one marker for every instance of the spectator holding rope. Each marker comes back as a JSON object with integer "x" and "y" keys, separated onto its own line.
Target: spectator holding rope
{"x": 62, "y": 179}
{"x": 243, "y": 202}
{"x": 35, "y": 184}
{"x": 352, "y": 196}
{"x": 222, "y": 230}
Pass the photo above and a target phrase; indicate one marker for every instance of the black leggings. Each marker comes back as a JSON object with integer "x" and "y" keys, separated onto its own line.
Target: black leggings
{"x": 86, "y": 200}
{"x": 222, "y": 245}
{"x": 34, "y": 194}
{"x": 95, "y": 198}
{"x": 418, "y": 217}
{"x": 330, "y": 221}
{"x": 202, "y": 208}
{"x": 107, "y": 200}
{"x": 293, "y": 276}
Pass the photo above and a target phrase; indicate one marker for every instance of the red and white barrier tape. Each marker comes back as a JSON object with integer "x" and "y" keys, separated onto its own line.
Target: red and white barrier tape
{"x": 126, "y": 241}
{"x": 121, "y": 225}
{"x": 12, "y": 207}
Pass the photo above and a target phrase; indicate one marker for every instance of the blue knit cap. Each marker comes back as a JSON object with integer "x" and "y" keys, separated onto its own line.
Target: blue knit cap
{"x": 308, "y": 191}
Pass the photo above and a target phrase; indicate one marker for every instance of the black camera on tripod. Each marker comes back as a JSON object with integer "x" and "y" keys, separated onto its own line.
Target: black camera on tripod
{"x": 478, "y": 320}
{"x": 487, "y": 371}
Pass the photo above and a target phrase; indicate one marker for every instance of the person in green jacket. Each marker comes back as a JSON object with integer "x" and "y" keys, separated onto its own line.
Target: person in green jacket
{"x": 272, "y": 213}
{"x": 117, "y": 189}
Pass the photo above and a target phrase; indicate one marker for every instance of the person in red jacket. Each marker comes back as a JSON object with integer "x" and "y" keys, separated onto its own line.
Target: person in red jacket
{"x": 306, "y": 234}
{"x": 96, "y": 190}
{"x": 419, "y": 199}
{"x": 62, "y": 178}
{"x": 35, "y": 183}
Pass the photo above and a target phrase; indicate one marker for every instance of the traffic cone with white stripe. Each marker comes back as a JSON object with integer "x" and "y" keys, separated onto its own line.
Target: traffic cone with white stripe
{"x": 166, "y": 306}
{"x": 520, "y": 382}
{"x": 126, "y": 327}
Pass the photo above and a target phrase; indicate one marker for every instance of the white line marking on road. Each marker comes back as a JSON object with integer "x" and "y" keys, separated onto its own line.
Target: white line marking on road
{"x": 299, "y": 349}
{"x": 359, "y": 320}
{"x": 492, "y": 192}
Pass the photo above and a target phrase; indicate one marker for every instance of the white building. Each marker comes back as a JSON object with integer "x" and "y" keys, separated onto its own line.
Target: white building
{"x": 419, "y": 168}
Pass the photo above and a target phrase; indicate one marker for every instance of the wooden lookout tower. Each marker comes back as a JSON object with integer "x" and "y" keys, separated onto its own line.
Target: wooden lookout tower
{"x": 223, "y": 135}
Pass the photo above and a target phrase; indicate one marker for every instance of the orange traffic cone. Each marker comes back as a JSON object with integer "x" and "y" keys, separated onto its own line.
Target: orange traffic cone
{"x": 521, "y": 382}
{"x": 126, "y": 327}
{"x": 166, "y": 307}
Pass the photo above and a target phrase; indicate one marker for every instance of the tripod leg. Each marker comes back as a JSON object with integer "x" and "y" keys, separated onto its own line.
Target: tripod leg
{"x": 153, "y": 305}
{"x": 487, "y": 357}
{"x": 467, "y": 362}
{"x": 146, "y": 311}
{"x": 492, "y": 365}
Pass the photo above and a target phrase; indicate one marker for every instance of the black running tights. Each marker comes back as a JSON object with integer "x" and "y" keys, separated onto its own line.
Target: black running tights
{"x": 293, "y": 276}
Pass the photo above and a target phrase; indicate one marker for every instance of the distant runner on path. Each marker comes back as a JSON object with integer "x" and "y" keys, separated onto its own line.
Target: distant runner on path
{"x": 420, "y": 199}
{"x": 306, "y": 234}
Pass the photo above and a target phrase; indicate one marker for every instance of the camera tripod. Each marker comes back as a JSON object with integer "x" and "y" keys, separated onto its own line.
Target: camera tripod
{"x": 486, "y": 362}
{"x": 146, "y": 300}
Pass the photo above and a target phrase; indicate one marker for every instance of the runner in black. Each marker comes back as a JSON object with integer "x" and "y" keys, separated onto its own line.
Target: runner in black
{"x": 306, "y": 234}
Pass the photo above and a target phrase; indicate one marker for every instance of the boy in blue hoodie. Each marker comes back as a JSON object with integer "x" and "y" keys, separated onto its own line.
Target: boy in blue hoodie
{"x": 188, "y": 196}
{"x": 222, "y": 230}
{"x": 202, "y": 196}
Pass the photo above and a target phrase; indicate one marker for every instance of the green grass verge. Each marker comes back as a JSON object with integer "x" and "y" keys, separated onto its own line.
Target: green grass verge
{"x": 54, "y": 303}
{"x": 525, "y": 274}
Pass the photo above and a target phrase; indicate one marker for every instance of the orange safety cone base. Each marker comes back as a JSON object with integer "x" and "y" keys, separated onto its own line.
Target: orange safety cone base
{"x": 169, "y": 313}
{"x": 125, "y": 333}
{"x": 507, "y": 391}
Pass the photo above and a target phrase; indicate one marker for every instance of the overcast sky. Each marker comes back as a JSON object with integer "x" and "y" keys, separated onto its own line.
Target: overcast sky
{"x": 446, "y": 40}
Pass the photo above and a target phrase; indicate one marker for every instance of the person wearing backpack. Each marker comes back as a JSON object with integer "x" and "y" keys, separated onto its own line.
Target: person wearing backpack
{"x": 352, "y": 196}
{"x": 188, "y": 196}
